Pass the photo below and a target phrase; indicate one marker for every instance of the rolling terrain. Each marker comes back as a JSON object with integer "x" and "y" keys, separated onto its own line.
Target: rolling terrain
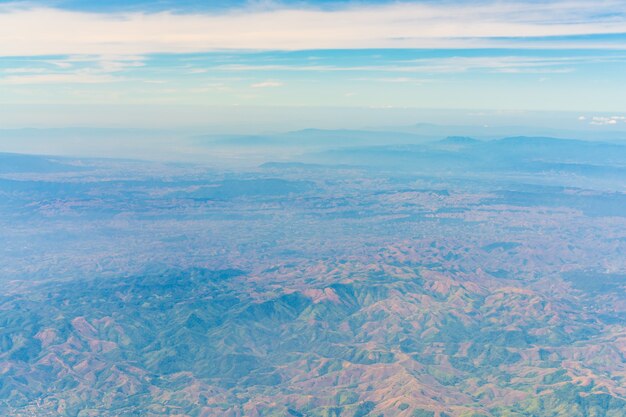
{"x": 452, "y": 278}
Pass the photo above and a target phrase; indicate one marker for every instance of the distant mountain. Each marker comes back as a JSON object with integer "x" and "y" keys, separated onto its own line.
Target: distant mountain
{"x": 462, "y": 154}
{"x": 459, "y": 140}
{"x": 490, "y": 132}
{"x": 560, "y": 150}
{"x": 310, "y": 138}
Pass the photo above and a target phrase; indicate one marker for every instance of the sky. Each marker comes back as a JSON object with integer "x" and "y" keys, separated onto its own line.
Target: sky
{"x": 129, "y": 63}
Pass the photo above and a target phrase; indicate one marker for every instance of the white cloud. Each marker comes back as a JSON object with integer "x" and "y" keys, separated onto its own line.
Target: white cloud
{"x": 197, "y": 71}
{"x": 33, "y": 30}
{"x": 494, "y": 64}
{"x": 267, "y": 84}
{"x": 101, "y": 63}
{"x": 603, "y": 120}
{"x": 85, "y": 69}
{"x": 24, "y": 70}
{"x": 607, "y": 120}
{"x": 57, "y": 78}
{"x": 394, "y": 80}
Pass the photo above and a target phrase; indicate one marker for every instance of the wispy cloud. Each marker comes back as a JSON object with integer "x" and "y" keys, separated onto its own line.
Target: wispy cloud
{"x": 23, "y": 70}
{"x": 267, "y": 84}
{"x": 101, "y": 63}
{"x": 394, "y": 80}
{"x": 607, "y": 120}
{"x": 85, "y": 69}
{"x": 72, "y": 78}
{"x": 493, "y": 64}
{"x": 197, "y": 71}
{"x": 34, "y": 30}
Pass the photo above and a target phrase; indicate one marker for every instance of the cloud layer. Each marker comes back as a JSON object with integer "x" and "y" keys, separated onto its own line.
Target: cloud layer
{"x": 33, "y": 30}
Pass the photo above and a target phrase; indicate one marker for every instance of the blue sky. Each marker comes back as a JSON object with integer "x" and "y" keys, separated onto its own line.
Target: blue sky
{"x": 472, "y": 55}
